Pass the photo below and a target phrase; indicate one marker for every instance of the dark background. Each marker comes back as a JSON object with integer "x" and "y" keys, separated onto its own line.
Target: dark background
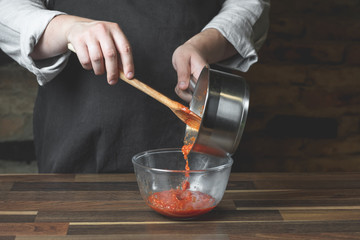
{"x": 305, "y": 92}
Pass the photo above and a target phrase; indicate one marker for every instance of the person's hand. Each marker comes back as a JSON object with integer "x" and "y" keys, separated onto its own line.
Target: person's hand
{"x": 190, "y": 58}
{"x": 103, "y": 47}
{"x": 187, "y": 61}
{"x": 99, "y": 45}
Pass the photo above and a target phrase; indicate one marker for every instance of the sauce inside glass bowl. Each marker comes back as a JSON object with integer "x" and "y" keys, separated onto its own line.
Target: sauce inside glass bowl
{"x": 182, "y": 202}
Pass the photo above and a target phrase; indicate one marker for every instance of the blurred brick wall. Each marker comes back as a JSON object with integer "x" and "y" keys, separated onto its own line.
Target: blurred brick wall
{"x": 305, "y": 91}
{"x": 18, "y": 89}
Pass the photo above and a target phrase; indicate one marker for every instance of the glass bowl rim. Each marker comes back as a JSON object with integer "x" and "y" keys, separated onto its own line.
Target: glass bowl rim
{"x": 165, "y": 150}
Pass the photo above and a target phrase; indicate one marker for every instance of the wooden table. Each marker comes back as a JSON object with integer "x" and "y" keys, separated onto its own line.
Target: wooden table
{"x": 255, "y": 206}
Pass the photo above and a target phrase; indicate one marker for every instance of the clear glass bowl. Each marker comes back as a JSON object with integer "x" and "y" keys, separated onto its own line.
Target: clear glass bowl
{"x": 172, "y": 191}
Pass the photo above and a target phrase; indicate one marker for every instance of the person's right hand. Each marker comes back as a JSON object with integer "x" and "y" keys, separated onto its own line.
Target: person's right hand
{"x": 99, "y": 45}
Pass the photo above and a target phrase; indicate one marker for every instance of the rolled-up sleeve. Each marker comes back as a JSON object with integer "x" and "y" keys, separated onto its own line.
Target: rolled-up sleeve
{"x": 244, "y": 23}
{"x": 22, "y": 23}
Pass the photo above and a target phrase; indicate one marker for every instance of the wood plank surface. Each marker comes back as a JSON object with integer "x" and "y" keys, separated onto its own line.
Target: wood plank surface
{"x": 130, "y": 237}
{"x": 109, "y": 206}
{"x": 19, "y": 229}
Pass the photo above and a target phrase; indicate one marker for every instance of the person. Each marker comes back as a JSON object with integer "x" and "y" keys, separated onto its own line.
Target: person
{"x": 88, "y": 121}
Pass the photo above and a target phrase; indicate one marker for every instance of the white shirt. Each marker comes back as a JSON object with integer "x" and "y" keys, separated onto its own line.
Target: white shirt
{"x": 244, "y": 23}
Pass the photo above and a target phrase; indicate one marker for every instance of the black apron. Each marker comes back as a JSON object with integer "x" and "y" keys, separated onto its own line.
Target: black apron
{"x": 84, "y": 125}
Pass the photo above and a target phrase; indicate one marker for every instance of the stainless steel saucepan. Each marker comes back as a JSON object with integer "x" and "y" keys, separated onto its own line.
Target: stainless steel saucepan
{"x": 222, "y": 101}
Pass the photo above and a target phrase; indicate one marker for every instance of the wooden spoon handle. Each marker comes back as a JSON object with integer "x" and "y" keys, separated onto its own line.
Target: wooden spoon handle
{"x": 148, "y": 90}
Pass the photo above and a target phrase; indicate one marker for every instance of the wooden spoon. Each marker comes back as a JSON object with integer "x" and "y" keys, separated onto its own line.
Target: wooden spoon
{"x": 182, "y": 112}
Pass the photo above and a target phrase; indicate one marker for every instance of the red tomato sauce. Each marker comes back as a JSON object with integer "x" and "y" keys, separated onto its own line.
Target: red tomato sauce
{"x": 186, "y": 150}
{"x": 182, "y": 202}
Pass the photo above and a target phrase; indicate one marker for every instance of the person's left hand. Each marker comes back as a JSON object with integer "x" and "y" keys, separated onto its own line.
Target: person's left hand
{"x": 209, "y": 46}
{"x": 187, "y": 61}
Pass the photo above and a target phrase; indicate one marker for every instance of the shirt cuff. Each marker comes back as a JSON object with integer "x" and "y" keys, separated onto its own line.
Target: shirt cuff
{"x": 241, "y": 42}
{"x": 245, "y": 26}
{"x": 45, "y": 70}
